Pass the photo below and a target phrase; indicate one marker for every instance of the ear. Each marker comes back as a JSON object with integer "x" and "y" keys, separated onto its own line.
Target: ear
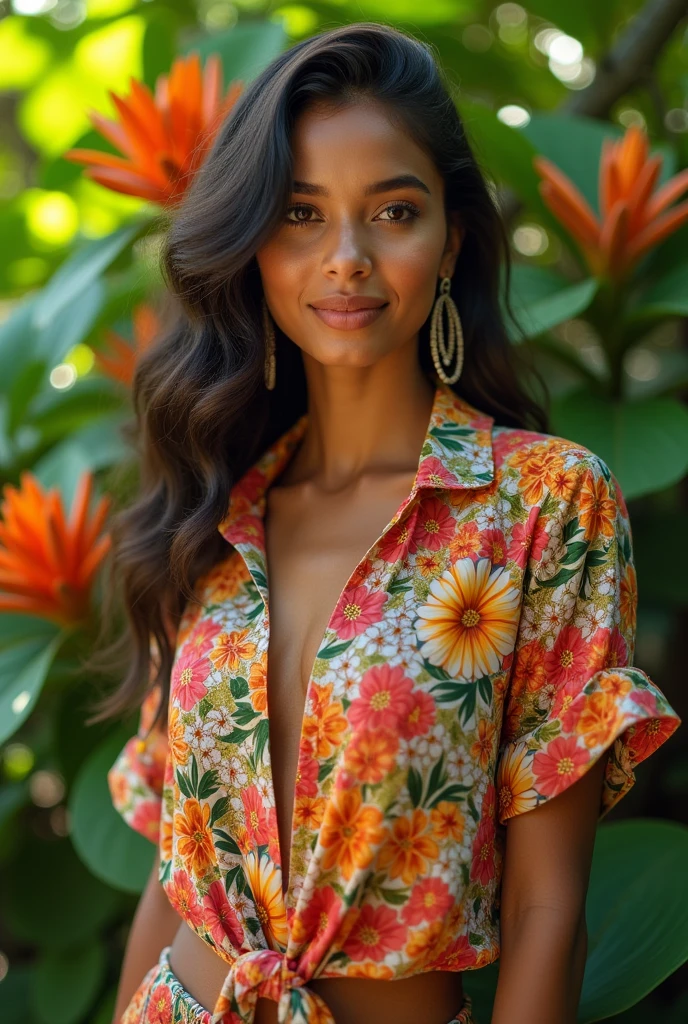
{"x": 455, "y": 236}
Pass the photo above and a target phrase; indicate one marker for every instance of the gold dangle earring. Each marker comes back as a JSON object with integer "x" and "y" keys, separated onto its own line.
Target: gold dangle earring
{"x": 443, "y": 348}
{"x": 270, "y": 368}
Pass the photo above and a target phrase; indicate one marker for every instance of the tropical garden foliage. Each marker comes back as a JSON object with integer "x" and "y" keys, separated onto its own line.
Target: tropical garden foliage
{"x": 578, "y": 113}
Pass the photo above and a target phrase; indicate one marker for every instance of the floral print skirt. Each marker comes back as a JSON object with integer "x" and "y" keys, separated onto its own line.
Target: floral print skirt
{"x": 162, "y": 999}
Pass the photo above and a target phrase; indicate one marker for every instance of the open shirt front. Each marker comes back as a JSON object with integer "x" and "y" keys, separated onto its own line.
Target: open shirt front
{"x": 478, "y": 662}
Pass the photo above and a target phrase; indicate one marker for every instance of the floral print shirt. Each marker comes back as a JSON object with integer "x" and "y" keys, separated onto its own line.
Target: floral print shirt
{"x": 478, "y": 662}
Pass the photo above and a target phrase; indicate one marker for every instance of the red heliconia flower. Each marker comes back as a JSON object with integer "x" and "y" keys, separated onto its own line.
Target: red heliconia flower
{"x": 633, "y": 217}
{"x": 165, "y": 137}
{"x": 120, "y": 364}
{"x": 47, "y": 564}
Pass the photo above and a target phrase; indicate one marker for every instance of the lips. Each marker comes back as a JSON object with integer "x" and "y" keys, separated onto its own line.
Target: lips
{"x": 348, "y": 303}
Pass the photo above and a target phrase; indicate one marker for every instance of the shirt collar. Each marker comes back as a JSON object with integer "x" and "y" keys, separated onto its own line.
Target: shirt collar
{"x": 456, "y": 454}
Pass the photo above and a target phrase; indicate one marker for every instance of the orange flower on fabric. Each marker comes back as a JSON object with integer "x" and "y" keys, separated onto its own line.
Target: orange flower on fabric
{"x": 120, "y": 363}
{"x": 349, "y": 830}
{"x": 195, "y": 842}
{"x": 232, "y": 648}
{"x": 163, "y": 138}
{"x": 633, "y": 216}
{"x": 409, "y": 847}
{"x": 48, "y": 563}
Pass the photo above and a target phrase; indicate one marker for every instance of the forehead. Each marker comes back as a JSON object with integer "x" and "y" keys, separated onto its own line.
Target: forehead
{"x": 356, "y": 144}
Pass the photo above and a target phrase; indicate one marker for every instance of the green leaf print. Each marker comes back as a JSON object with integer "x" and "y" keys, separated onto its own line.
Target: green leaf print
{"x": 253, "y": 924}
{"x": 414, "y": 784}
{"x": 434, "y": 670}
{"x": 183, "y": 783}
{"x": 485, "y": 689}
{"x": 396, "y": 897}
{"x": 225, "y": 842}
{"x": 208, "y": 784}
{"x": 238, "y": 687}
{"x": 452, "y": 793}
{"x": 437, "y": 778}
{"x": 235, "y": 736}
{"x": 398, "y": 586}
{"x": 245, "y": 713}
{"x": 193, "y": 778}
{"x": 260, "y": 735}
{"x": 333, "y": 650}
{"x": 219, "y": 809}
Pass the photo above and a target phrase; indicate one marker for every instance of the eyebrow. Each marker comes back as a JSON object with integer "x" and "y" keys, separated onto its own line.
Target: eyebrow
{"x": 307, "y": 188}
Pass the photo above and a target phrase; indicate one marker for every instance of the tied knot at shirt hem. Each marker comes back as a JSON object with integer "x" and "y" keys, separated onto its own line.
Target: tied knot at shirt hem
{"x": 267, "y": 974}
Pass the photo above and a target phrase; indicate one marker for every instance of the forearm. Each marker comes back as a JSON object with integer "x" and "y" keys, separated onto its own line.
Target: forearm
{"x": 541, "y": 967}
{"x": 154, "y": 926}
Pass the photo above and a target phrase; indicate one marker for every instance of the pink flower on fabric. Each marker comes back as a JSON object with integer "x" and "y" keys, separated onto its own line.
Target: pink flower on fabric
{"x": 181, "y": 893}
{"x": 435, "y": 525}
{"x": 159, "y": 1006}
{"x": 357, "y": 609}
{"x": 645, "y": 699}
{"x": 318, "y": 922}
{"x": 483, "y": 863}
{"x": 429, "y": 900}
{"x": 493, "y": 546}
{"x": 420, "y": 715}
{"x": 219, "y": 917}
{"x": 188, "y": 680}
{"x": 384, "y": 699}
{"x": 559, "y": 765}
{"x": 146, "y": 819}
{"x": 398, "y": 542}
{"x": 432, "y": 471}
{"x": 521, "y": 545}
{"x": 569, "y": 658}
{"x": 376, "y": 932}
{"x": 307, "y": 773}
{"x": 458, "y": 956}
{"x": 202, "y": 638}
{"x": 255, "y": 816}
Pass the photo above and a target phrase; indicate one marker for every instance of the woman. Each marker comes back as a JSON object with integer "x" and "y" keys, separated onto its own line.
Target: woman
{"x": 450, "y": 611}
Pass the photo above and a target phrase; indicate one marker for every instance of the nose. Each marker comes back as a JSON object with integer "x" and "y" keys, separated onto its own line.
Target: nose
{"x": 346, "y": 254}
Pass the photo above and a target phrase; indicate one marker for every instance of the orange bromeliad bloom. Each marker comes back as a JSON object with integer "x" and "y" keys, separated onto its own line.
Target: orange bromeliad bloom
{"x": 633, "y": 217}
{"x": 120, "y": 364}
{"x": 165, "y": 137}
{"x": 47, "y": 564}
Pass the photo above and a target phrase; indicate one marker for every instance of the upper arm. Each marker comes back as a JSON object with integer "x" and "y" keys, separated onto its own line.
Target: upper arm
{"x": 549, "y": 850}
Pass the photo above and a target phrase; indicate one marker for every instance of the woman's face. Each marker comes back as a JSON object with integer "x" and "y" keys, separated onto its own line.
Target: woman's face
{"x": 366, "y": 221}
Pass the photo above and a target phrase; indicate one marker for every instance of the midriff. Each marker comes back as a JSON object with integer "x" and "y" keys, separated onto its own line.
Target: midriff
{"x": 431, "y": 998}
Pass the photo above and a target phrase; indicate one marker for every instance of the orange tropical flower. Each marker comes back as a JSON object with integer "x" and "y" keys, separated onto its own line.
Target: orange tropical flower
{"x": 232, "y": 648}
{"x": 634, "y": 218}
{"x": 47, "y": 564}
{"x": 447, "y": 821}
{"x": 195, "y": 842}
{"x": 599, "y": 719}
{"x": 258, "y": 683}
{"x": 119, "y": 365}
{"x": 165, "y": 137}
{"x": 469, "y": 621}
{"x": 265, "y": 881}
{"x": 349, "y": 831}
{"x": 597, "y": 508}
{"x": 408, "y": 848}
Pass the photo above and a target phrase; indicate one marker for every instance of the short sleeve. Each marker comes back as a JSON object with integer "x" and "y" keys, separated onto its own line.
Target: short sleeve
{"x": 136, "y": 778}
{"x": 573, "y": 692}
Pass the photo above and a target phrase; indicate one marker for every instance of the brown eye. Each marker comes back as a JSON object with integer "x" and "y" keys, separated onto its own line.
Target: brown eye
{"x": 301, "y": 214}
{"x": 397, "y": 213}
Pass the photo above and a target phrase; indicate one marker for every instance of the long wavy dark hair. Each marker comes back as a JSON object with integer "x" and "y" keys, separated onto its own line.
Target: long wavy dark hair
{"x": 202, "y": 413}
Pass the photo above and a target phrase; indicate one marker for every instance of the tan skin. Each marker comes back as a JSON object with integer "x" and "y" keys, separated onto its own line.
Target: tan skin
{"x": 369, "y": 406}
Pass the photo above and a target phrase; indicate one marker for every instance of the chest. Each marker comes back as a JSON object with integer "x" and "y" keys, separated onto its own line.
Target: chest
{"x": 313, "y": 545}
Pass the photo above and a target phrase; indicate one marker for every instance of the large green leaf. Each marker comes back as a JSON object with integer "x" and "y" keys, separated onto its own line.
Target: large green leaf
{"x": 76, "y": 275}
{"x": 24, "y": 666}
{"x": 111, "y": 849}
{"x": 96, "y": 446}
{"x": 502, "y": 150}
{"x": 15, "y": 994}
{"x": 645, "y": 443}
{"x": 245, "y": 49}
{"x": 69, "y": 907}
{"x": 637, "y": 914}
{"x": 668, "y": 296}
{"x": 536, "y": 317}
{"x": 67, "y": 982}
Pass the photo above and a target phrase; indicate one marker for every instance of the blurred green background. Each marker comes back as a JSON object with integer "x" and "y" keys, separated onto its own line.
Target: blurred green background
{"x": 79, "y": 279}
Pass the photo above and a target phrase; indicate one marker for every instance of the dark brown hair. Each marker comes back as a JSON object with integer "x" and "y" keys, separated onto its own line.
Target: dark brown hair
{"x": 202, "y": 412}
